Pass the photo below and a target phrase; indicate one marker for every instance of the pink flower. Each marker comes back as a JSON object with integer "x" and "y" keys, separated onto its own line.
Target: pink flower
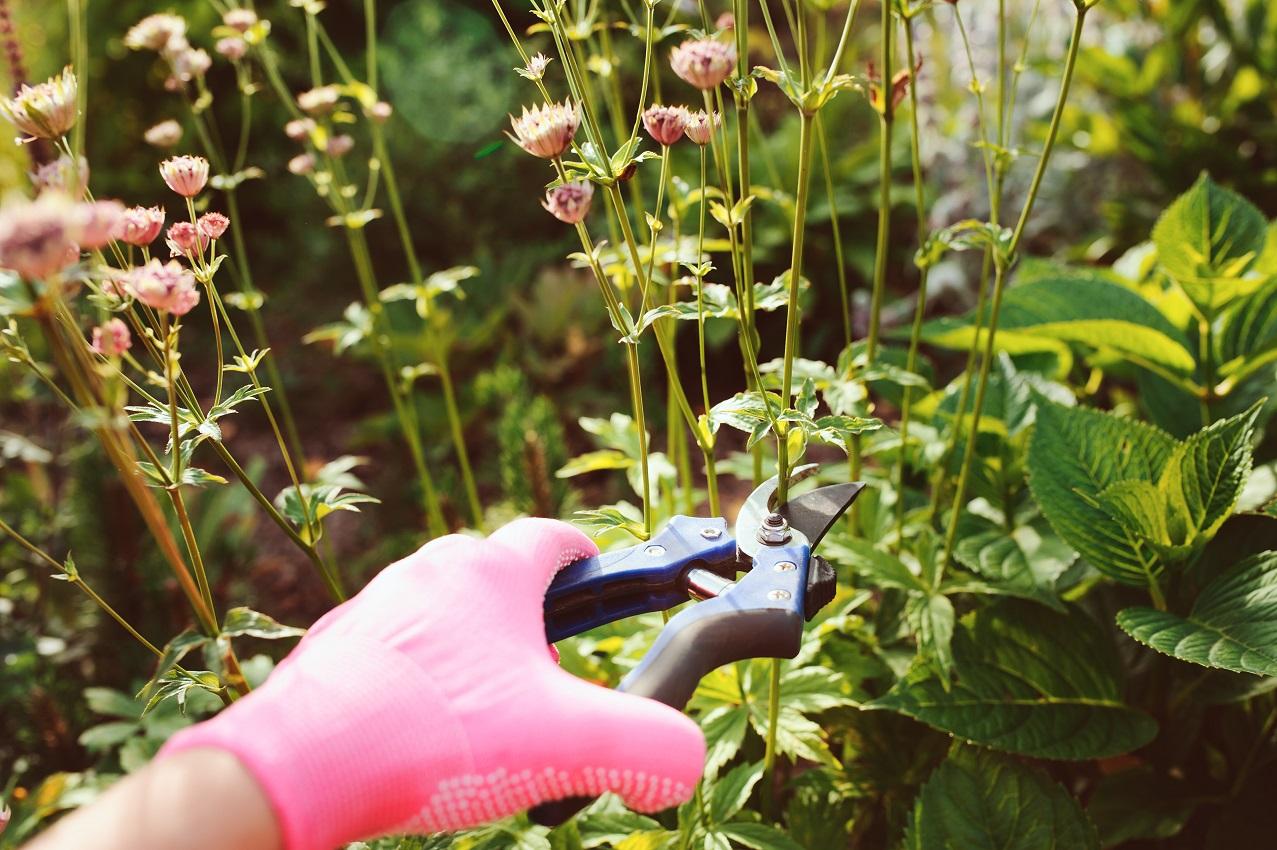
{"x": 184, "y": 240}
{"x": 98, "y": 222}
{"x": 38, "y": 238}
{"x": 340, "y": 145}
{"x": 240, "y": 20}
{"x": 299, "y": 128}
{"x": 140, "y": 225}
{"x": 154, "y": 32}
{"x": 546, "y": 130}
{"x": 46, "y": 111}
{"x": 665, "y": 123}
{"x": 725, "y": 21}
{"x": 319, "y": 101}
{"x": 700, "y": 126}
{"x": 232, "y": 48}
{"x": 189, "y": 64}
{"x": 213, "y": 225}
{"x": 570, "y": 202}
{"x": 302, "y": 164}
{"x": 112, "y": 338}
{"x": 63, "y": 175}
{"x": 164, "y": 286}
{"x": 704, "y": 62}
{"x": 535, "y": 69}
{"x": 186, "y": 175}
{"x": 165, "y": 134}
{"x": 379, "y": 112}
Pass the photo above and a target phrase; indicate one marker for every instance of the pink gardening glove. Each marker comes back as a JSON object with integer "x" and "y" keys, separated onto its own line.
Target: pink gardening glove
{"x": 429, "y": 702}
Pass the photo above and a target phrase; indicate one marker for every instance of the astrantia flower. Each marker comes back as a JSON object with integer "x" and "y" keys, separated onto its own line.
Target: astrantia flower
{"x": 38, "y": 238}
{"x": 299, "y": 128}
{"x": 154, "y": 32}
{"x": 340, "y": 145}
{"x": 379, "y": 112}
{"x": 232, "y": 48}
{"x": 63, "y": 175}
{"x": 97, "y": 223}
{"x": 45, "y": 111}
{"x": 241, "y": 20}
{"x": 665, "y": 123}
{"x": 189, "y": 64}
{"x": 112, "y": 338}
{"x": 546, "y": 130}
{"x": 165, "y": 134}
{"x": 535, "y": 69}
{"x": 704, "y": 62}
{"x": 303, "y": 163}
{"x": 140, "y": 225}
{"x": 725, "y": 21}
{"x": 213, "y": 224}
{"x": 319, "y": 101}
{"x": 164, "y": 286}
{"x": 186, "y": 175}
{"x": 184, "y": 240}
{"x": 570, "y": 202}
{"x": 700, "y": 126}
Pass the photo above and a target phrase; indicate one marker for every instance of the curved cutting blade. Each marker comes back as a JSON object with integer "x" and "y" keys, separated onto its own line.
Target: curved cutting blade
{"x": 811, "y": 514}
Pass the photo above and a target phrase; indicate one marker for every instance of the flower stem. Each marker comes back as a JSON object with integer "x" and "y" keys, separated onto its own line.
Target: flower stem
{"x": 887, "y": 119}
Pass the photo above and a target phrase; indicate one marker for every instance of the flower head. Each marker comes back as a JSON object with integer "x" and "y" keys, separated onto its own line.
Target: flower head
{"x": 319, "y": 101}
{"x": 665, "y": 124}
{"x": 165, "y": 134}
{"x": 704, "y": 62}
{"x": 241, "y": 20}
{"x": 302, "y": 164}
{"x": 299, "y": 128}
{"x": 140, "y": 225}
{"x": 112, "y": 338}
{"x": 97, "y": 222}
{"x": 700, "y": 126}
{"x": 232, "y": 48}
{"x": 570, "y": 202}
{"x": 546, "y": 130}
{"x": 63, "y": 175}
{"x": 213, "y": 225}
{"x": 340, "y": 145}
{"x": 155, "y": 32}
{"x": 38, "y": 238}
{"x": 164, "y": 286}
{"x": 379, "y": 112}
{"x": 186, "y": 175}
{"x": 45, "y": 111}
{"x": 725, "y": 21}
{"x": 184, "y": 239}
{"x": 189, "y": 63}
{"x": 535, "y": 69}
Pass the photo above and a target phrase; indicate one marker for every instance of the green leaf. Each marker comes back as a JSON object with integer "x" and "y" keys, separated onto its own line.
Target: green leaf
{"x": 1026, "y": 561}
{"x": 612, "y": 827}
{"x": 1233, "y": 623}
{"x": 931, "y": 618}
{"x": 1207, "y": 239}
{"x": 978, "y": 799}
{"x": 1140, "y": 803}
{"x": 593, "y": 462}
{"x": 724, "y": 728}
{"x": 107, "y": 735}
{"x": 874, "y": 566}
{"x": 112, "y": 703}
{"x": 1074, "y": 454}
{"x": 1028, "y": 681}
{"x": 759, "y": 836}
{"x": 245, "y": 622}
{"x": 174, "y": 651}
{"x": 1207, "y": 472}
{"x": 729, "y": 794}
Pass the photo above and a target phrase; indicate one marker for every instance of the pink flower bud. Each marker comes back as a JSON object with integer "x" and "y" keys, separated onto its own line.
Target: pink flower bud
{"x": 38, "y": 238}
{"x": 112, "y": 338}
{"x": 700, "y": 126}
{"x": 232, "y": 48}
{"x": 302, "y": 164}
{"x": 213, "y": 225}
{"x": 63, "y": 175}
{"x": 665, "y": 123}
{"x": 189, "y": 64}
{"x": 240, "y": 20}
{"x": 140, "y": 225}
{"x": 340, "y": 145}
{"x": 319, "y": 101}
{"x": 570, "y": 202}
{"x": 185, "y": 239}
{"x": 164, "y": 286}
{"x": 186, "y": 175}
{"x": 165, "y": 134}
{"x": 379, "y": 112}
{"x": 725, "y": 21}
{"x": 299, "y": 129}
{"x": 546, "y": 130}
{"x": 98, "y": 223}
{"x": 704, "y": 62}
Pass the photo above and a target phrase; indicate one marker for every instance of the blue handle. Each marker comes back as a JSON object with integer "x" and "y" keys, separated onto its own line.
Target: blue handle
{"x": 609, "y": 587}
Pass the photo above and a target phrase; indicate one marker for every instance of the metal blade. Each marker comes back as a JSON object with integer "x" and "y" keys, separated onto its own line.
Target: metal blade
{"x": 810, "y": 514}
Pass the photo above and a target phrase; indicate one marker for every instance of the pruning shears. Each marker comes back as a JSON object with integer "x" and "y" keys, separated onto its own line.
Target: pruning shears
{"x": 759, "y": 615}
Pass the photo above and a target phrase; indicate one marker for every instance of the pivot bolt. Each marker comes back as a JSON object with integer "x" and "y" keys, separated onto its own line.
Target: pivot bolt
{"x": 785, "y": 567}
{"x": 774, "y": 531}
{"x": 711, "y": 533}
{"x": 779, "y": 595}
{"x": 655, "y": 550}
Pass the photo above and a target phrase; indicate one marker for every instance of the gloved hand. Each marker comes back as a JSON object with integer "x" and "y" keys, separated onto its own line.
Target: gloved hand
{"x": 430, "y": 702}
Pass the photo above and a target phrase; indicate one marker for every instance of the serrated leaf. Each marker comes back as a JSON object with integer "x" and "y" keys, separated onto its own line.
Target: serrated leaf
{"x": 872, "y": 565}
{"x": 1028, "y": 681}
{"x": 1232, "y": 625}
{"x": 931, "y": 617}
{"x": 1026, "y": 560}
{"x": 724, "y": 730}
{"x": 759, "y": 836}
{"x": 729, "y": 794}
{"x": 1206, "y": 474}
{"x": 173, "y": 653}
{"x": 245, "y": 622}
{"x": 1074, "y": 454}
{"x": 979, "y": 799}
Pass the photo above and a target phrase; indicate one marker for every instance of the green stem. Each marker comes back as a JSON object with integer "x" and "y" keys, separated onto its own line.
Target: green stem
{"x": 773, "y": 725}
{"x": 844, "y": 296}
{"x": 884, "y": 186}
